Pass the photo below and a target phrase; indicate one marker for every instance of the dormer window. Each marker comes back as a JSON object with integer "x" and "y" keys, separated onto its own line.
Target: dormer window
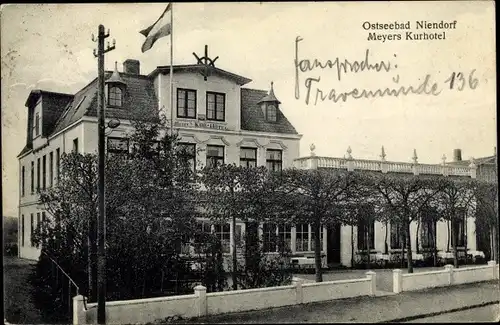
{"x": 270, "y": 106}
{"x": 271, "y": 113}
{"x": 116, "y": 89}
{"x": 115, "y": 96}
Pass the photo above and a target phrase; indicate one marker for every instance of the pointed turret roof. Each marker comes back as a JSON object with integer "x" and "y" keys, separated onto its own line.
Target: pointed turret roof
{"x": 270, "y": 97}
{"x": 115, "y": 77}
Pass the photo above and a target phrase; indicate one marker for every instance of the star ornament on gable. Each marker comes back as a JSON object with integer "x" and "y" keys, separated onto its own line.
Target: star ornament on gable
{"x": 208, "y": 63}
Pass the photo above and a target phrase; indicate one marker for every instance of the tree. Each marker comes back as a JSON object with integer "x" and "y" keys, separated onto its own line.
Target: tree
{"x": 150, "y": 214}
{"x": 455, "y": 199}
{"x": 487, "y": 214}
{"x": 406, "y": 196}
{"x": 318, "y": 195}
{"x": 231, "y": 193}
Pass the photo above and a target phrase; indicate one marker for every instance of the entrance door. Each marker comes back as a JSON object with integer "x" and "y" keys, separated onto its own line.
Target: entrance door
{"x": 333, "y": 243}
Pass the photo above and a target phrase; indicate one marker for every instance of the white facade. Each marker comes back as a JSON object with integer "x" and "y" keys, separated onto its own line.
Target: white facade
{"x": 82, "y": 136}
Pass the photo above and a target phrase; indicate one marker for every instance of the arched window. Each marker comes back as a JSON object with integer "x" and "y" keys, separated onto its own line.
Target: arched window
{"x": 115, "y": 96}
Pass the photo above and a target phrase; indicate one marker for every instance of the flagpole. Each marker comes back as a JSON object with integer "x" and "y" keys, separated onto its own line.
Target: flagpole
{"x": 171, "y": 68}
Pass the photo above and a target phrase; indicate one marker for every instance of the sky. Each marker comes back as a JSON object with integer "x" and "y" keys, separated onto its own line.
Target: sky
{"x": 49, "y": 47}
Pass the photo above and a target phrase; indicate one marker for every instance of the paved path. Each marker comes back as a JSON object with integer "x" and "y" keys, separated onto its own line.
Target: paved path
{"x": 370, "y": 309}
{"x": 482, "y": 314}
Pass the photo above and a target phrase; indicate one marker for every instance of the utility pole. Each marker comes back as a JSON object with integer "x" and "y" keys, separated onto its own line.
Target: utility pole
{"x": 101, "y": 224}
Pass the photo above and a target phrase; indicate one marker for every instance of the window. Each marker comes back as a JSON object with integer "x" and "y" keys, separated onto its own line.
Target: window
{"x": 51, "y": 169}
{"x": 75, "y": 145}
{"x": 302, "y": 237}
{"x": 216, "y": 106}
{"x": 284, "y": 237}
{"x": 37, "y": 124}
{"x": 206, "y": 228}
{"x": 223, "y": 233}
{"x": 248, "y": 157}
{"x": 22, "y": 230}
{"x": 38, "y": 175}
{"x": 187, "y": 151}
{"x": 274, "y": 160}
{"x": 271, "y": 113}
{"x": 38, "y": 218}
{"x": 320, "y": 238}
{"x": 215, "y": 156}
{"x": 58, "y": 163}
{"x": 186, "y": 103}
{"x": 366, "y": 229}
{"x": 43, "y": 217}
{"x": 32, "y": 177}
{"x": 458, "y": 229}
{"x": 427, "y": 233}
{"x": 115, "y": 96}
{"x": 44, "y": 172}
{"x": 118, "y": 145}
{"x": 32, "y": 229}
{"x": 269, "y": 237}
{"x": 22, "y": 181}
{"x": 397, "y": 235}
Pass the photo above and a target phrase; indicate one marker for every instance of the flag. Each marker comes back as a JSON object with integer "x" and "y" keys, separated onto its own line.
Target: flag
{"x": 161, "y": 28}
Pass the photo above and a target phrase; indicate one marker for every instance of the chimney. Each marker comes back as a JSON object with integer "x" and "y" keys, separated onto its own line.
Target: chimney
{"x": 132, "y": 67}
{"x": 457, "y": 155}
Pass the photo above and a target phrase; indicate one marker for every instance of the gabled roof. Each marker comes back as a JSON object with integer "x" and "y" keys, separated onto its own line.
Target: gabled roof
{"x": 139, "y": 102}
{"x": 201, "y": 68}
{"x": 252, "y": 116}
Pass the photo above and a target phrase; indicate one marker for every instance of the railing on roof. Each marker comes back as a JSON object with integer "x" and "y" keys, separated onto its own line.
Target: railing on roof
{"x": 312, "y": 162}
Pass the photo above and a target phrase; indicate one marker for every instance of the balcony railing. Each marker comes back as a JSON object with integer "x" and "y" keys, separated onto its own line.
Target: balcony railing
{"x": 313, "y": 162}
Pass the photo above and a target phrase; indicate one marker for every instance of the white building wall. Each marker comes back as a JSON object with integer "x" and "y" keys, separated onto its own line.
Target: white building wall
{"x": 195, "y": 81}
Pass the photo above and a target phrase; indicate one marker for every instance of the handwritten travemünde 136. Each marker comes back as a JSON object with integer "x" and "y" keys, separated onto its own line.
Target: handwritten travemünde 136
{"x": 314, "y": 93}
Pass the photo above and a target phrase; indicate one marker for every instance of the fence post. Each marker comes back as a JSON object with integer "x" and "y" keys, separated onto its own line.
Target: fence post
{"x": 372, "y": 276}
{"x": 493, "y": 265}
{"x": 79, "y": 315}
{"x": 449, "y": 269}
{"x": 299, "y": 295}
{"x": 397, "y": 280}
{"x": 201, "y": 300}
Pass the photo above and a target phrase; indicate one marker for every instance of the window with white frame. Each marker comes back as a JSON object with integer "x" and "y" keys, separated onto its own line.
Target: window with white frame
{"x": 284, "y": 237}
{"x": 215, "y": 155}
{"x": 186, "y": 103}
{"x": 224, "y": 234}
{"x": 302, "y": 237}
{"x": 115, "y": 96}
{"x": 248, "y": 157}
{"x": 274, "y": 160}
{"x": 22, "y": 230}
{"x": 216, "y": 106}
{"x": 269, "y": 237}
{"x": 22, "y": 180}
{"x": 37, "y": 124}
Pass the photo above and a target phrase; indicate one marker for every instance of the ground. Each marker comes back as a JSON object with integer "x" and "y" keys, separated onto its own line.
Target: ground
{"x": 18, "y": 305}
